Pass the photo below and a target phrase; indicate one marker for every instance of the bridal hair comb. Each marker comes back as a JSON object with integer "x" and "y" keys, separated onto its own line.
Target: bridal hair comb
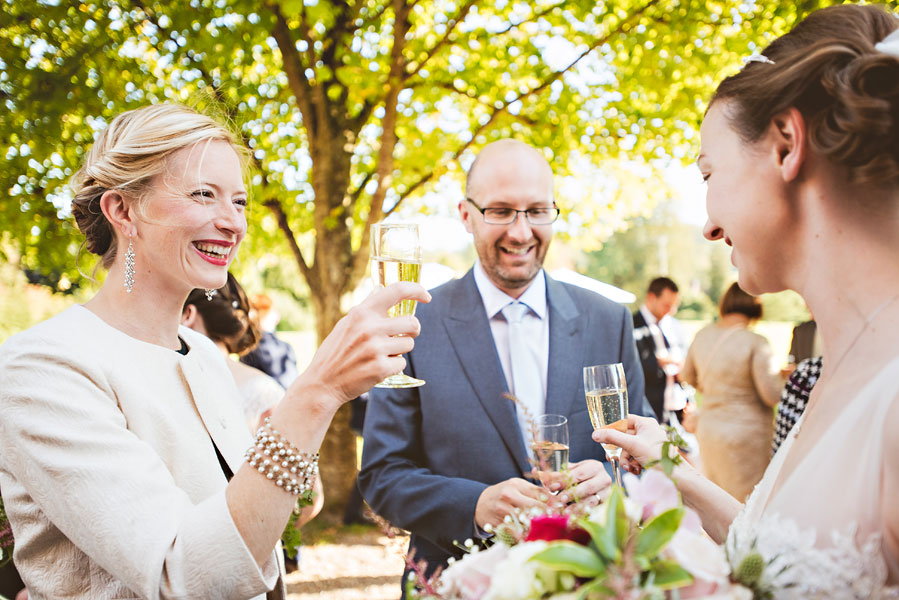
{"x": 889, "y": 44}
{"x": 761, "y": 58}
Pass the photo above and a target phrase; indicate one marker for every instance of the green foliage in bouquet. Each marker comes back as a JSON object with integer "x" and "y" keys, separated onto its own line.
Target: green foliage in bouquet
{"x": 291, "y": 538}
{"x": 6, "y": 539}
{"x": 621, "y": 555}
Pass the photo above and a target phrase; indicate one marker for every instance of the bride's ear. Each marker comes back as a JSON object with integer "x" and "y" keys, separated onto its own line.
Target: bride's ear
{"x": 790, "y": 143}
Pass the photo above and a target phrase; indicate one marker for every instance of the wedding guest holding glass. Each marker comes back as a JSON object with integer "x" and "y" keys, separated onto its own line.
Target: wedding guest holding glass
{"x": 126, "y": 465}
{"x": 446, "y": 459}
{"x": 734, "y": 370}
{"x": 802, "y": 166}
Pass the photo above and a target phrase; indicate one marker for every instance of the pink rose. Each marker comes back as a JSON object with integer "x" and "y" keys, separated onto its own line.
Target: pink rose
{"x": 655, "y": 492}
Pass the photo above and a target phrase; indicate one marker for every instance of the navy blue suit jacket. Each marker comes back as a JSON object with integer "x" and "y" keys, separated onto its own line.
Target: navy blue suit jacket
{"x": 430, "y": 451}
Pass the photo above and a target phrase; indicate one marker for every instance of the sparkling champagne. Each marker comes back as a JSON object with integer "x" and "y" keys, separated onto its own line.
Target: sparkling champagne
{"x": 390, "y": 270}
{"x": 550, "y": 456}
{"x": 608, "y": 408}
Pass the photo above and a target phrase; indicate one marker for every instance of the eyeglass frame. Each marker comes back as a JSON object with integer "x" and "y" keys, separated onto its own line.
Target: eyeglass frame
{"x": 526, "y": 212}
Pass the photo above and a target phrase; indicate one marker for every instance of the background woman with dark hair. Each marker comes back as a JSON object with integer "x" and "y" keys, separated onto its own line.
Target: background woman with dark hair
{"x": 732, "y": 367}
{"x": 225, "y": 319}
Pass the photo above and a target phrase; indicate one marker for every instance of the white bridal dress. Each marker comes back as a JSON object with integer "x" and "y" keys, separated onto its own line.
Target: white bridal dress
{"x": 822, "y": 528}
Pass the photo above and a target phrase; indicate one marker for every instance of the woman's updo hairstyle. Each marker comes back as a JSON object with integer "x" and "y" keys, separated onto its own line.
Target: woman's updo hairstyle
{"x": 127, "y": 155}
{"x": 846, "y": 89}
{"x": 226, "y": 317}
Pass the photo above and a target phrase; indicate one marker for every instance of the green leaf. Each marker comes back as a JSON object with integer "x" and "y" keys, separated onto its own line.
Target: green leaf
{"x": 596, "y": 586}
{"x": 571, "y": 557}
{"x": 667, "y": 574}
{"x": 658, "y": 532}
{"x": 606, "y": 537}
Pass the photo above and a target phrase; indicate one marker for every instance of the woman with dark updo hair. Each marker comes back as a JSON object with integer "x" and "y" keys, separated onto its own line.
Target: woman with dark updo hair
{"x": 225, "y": 319}
{"x": 126, "y": 465}
{"x": 800, "y": 153}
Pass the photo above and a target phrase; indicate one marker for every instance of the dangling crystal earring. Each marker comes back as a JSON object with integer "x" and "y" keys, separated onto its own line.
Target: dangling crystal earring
{"x": 129, "y": 267}
{"x": 210, "y": 294}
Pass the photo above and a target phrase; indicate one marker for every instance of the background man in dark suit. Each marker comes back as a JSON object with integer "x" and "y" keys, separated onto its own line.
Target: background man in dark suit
{"x": 662, "y": 299}
{"x": 448, "y": 458}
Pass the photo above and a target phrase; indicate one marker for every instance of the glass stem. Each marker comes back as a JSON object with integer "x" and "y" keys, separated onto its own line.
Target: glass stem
{"x": 617, "y": 468}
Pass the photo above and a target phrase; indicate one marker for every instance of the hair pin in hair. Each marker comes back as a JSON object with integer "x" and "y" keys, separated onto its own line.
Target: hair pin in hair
{"x": 235, "y": 304}
{"x": 210, "y": 294}
{"x": 760, "y": 58}
{"x": 889, "y": 44}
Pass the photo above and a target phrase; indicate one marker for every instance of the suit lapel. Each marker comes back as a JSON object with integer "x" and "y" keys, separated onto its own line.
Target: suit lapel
{"x": 567, "y": 347}
{"x": 469, "y": 332}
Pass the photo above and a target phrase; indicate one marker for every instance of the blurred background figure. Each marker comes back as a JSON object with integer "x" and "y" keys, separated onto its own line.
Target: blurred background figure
{"x": 794, "y": 398}
{"x": 271, "y": 355}
{"x": 225, "y": 319}
{"x": 660, "y": 358}
{"x": 733, "y": 369}
{"x": 806, "y": 343}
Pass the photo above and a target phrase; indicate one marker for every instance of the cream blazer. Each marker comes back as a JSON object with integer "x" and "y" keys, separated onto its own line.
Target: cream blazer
{"x": 108, "y": 470}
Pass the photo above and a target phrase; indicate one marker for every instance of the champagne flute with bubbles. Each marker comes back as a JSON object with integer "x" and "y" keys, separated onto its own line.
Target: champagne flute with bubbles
{"x": 606, "y": 390}
{"x": 550, "y": 443}
{"x": 396, "y": 256}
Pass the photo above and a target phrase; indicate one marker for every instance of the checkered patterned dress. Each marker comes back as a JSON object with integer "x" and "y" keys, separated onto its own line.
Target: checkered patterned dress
{"x": 794, "y": 398}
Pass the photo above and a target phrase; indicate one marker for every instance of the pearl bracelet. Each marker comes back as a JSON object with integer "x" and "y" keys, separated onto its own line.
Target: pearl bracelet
{"x": 281, "y": 462}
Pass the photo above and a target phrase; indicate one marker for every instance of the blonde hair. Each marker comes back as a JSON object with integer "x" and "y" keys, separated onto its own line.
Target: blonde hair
{"x": 127, "y": 155}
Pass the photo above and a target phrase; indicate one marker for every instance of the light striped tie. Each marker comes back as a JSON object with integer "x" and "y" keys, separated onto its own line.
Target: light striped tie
{"x": 526, "y": 367}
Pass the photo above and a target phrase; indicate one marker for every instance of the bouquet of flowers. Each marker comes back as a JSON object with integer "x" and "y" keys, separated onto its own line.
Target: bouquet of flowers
{"x": 6, "y": 540}
{"x": 642, "y": 545}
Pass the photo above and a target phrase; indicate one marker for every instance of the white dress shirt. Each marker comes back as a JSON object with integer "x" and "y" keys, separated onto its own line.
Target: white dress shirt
{"x": 536, "y": 322}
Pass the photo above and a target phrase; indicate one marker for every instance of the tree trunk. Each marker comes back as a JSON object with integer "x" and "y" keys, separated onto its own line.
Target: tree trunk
{"x": 332, "y": 273}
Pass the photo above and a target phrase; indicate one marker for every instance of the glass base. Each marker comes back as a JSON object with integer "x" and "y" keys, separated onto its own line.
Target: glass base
{"x": 400, "y": 380}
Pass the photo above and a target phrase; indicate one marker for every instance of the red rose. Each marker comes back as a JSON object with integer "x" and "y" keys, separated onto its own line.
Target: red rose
{"x": 555, "y": 527}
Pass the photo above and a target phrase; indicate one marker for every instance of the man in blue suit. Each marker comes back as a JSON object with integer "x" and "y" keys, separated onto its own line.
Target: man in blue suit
{"x": 447, "y": 459}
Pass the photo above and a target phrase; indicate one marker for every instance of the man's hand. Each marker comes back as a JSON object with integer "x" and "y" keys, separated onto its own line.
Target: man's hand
{"x": 502, "y": 499}
{"x": 590, "y": 482}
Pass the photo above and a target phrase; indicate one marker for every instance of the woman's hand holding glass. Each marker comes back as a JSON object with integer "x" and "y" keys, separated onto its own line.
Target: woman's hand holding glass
{"x": 366, "y": 345}
{"x": 640, "y": 445}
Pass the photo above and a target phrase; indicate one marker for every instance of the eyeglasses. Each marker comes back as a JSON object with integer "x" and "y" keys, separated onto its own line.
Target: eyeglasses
{"x": 507, "y": 216}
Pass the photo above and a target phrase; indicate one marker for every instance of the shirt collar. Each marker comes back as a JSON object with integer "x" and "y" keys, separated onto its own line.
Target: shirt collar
{"x": 495, "y": 299}
{"x": 648, "y": 316}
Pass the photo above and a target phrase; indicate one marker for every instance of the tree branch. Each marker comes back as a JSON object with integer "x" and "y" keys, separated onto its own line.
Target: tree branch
{"x": 275, "y": 206}
{"x": 371, "y": 19}
{"x": 530, "y": 19}
{"x": 354, "y": 196}
{"x": 388, "y": 135}
{"x": 295, "y": 71}
{"x": 460, "y": 16}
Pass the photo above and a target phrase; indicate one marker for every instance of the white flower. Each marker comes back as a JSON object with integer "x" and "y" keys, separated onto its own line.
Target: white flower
{"x": 699, "y": 556}
{"x": 469, "y": 577}
{"x": 519, "y": 578}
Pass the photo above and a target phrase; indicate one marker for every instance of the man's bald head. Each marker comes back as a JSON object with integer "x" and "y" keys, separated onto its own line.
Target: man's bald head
{"x": 507, "y": 155}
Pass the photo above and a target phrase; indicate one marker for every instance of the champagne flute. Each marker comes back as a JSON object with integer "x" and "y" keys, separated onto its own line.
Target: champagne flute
{"x": 396, "y": 256}
{"x": 606, "y": 390}
{"x": 550, "y": 443}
